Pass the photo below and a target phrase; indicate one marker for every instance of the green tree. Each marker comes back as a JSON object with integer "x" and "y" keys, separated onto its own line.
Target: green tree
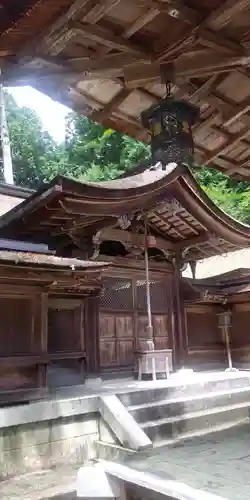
{"x": 36, "y": 157}
{"x": 104, "y": 152}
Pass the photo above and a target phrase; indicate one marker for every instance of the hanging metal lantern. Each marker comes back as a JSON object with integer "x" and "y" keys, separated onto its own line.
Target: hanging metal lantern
{"x": 170, "y": 123}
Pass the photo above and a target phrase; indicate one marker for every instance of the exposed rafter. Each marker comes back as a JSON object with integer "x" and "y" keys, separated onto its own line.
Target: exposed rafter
{"x": 92, "y": 56}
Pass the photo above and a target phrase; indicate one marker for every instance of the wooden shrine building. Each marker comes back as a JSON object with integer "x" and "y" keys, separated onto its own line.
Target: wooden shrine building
{"x": 204, "y": 300}
{"x": 73, "y": 283}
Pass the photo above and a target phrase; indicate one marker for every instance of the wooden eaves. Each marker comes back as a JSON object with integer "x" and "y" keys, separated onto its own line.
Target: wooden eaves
{"x": 227, "y": 288}
{"x": 182, "y": 220}
{"x": 106, "y": 59}
{"x": 55, "y": 274}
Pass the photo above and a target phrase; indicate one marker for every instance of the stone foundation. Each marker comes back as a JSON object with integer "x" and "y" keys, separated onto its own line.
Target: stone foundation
{"x": 41, "y": 445}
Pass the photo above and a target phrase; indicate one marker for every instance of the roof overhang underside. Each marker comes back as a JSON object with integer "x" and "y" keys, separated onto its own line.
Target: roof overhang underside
{"x": 181, "y": 218}
{"x": 106, "y": 58}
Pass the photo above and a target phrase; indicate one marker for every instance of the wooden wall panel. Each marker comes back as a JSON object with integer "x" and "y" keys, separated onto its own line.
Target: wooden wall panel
{"x": 125, "y": 352}
{"x": 14, "y": 377}
{"x": 16, "y": 325}
{"x": 160, "y": 325}
{"x": 240, "y": 331}
{"x": 64, "y": 329}
{"x": 107, "y": 340}
{"x": 125, "y": 340}
{"x": 124, "y": 327}
{"x": 202, "y": 327}
{"x": 65, "y": 372}
{"x": 206, "y": 346}
{"x": 142, "y": 324}
{"x": 240, "y": 335}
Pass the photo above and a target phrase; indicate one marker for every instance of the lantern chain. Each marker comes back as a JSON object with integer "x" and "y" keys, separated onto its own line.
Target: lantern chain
{"x": 168, "y": 90}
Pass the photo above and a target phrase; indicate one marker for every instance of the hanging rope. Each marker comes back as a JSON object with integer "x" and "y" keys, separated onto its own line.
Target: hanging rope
{"x": 148, "y": 297}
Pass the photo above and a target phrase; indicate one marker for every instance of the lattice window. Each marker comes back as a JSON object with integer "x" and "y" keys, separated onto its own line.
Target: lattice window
{"x": 117, "y": 294}
{"x": 158, "y": 296}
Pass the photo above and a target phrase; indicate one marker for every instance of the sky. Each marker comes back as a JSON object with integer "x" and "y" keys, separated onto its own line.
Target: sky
{"x": 51, "y": 113}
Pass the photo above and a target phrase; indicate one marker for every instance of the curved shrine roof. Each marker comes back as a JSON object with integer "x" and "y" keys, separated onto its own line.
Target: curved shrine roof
{"x": 181, "y": 217}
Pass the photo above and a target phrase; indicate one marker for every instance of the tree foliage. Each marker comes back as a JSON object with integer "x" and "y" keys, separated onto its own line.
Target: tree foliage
{"x": 93, "y": 153}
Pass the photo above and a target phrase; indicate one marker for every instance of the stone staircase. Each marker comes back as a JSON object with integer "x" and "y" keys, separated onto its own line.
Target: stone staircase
{"x": 180, "y": 411}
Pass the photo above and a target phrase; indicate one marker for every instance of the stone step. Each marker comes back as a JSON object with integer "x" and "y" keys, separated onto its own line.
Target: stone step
{"x": 180, "y": 406}
{"x": 170, "y": 427}
{"x": 194, "y": 387}
{"x": 109, "y": 451}
{"x": 190, "y": 436}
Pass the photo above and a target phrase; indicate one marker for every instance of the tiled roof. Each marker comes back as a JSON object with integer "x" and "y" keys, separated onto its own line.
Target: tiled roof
{"x": 220, "y": 264}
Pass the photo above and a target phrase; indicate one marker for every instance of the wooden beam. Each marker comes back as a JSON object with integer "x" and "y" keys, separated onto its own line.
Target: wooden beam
{"x": 44, "y": 40}
{"x": 99, "y": 10}
{"x": 217, "y": 42}
{"x": 89, "y": 69}
{"x": 178, "y": 10}
{"x": 128, "y": 238}
{"x": 235, "y": 139}
{"x": 205, "y": 124}
{"x": 139, "y": 23}
{"x": 239, "y": 170}
{"x": 174, "y": 8}
{"x": 200, "y": 64}
{"x": 59, "y": 41}
{"x": 105, "y": 37}
{"x": 99, "y": 116}
{"x": 137, "y": 75}
{"x": 203, "y": 91}
{"x": 222, "y": 16}
{"x": 174, "y": 50}
{"x": 232, "y": 116}
{"x": 184, "y": 67}
{"x": 193, "y": 242}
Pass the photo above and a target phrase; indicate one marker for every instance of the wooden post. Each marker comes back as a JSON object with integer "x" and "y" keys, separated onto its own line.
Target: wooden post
{"x": 92, "y": 337}
{"x": 180, "y": 324}
{"x": 42, "y": 368}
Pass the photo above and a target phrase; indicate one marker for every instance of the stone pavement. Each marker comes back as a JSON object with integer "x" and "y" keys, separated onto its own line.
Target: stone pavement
{"x": 44, "y": 485}
{"x": 218, "y": 463}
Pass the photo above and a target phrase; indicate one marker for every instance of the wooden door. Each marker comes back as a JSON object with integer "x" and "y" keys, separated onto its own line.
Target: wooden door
{"x": 66, "y": 342}
{"x": 107, "y": 340}
{"x": 116, "y": 340}
{"x": 160, "y": 331}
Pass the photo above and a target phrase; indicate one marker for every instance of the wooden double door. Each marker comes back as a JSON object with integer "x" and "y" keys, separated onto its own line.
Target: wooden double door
{"x": 122, "y": 334}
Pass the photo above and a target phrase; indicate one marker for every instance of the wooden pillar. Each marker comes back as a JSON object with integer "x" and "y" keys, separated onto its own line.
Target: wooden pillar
{"x": 42, "y": 326}
{"x": 171, "y": 320}
{"x": 92, "y": 337}
{"x": 180, "y": 331}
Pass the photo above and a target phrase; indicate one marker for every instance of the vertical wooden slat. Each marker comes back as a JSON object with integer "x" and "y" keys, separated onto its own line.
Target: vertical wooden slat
{"x": 135, "y": 315}
{"x": 43, "y": 308}
{"x": 82, "y": 337}
{"x": 92, "y": 334}
{"x": 180, "y": 327}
